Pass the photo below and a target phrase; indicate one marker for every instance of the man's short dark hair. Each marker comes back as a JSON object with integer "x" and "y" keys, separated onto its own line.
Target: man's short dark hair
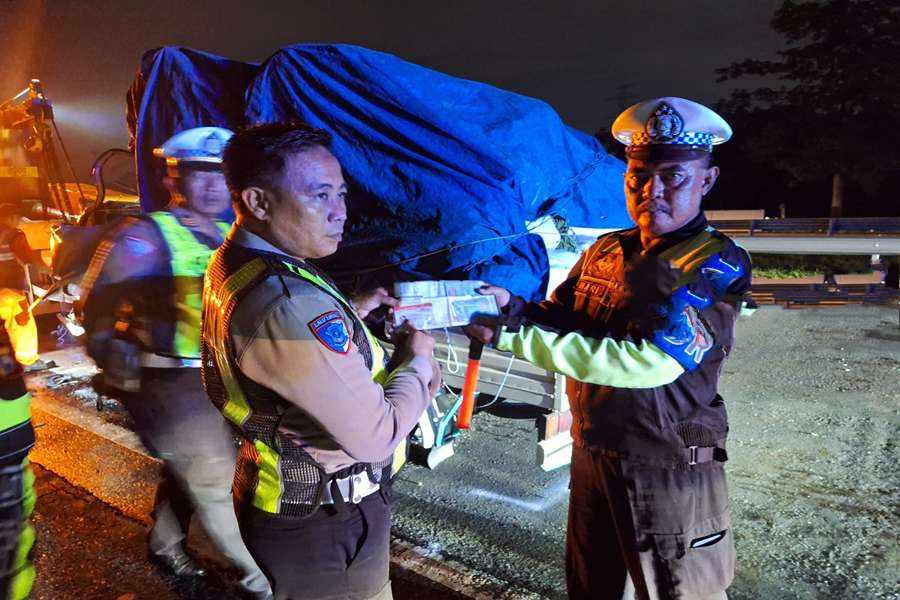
{"x": 256, "y": 156}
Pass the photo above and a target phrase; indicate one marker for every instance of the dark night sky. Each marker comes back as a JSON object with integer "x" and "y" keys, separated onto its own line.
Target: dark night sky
{"x": 588, "y": 59}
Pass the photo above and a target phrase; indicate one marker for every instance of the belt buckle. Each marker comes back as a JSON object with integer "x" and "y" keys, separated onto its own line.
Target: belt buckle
{"x": 693, "y": 455}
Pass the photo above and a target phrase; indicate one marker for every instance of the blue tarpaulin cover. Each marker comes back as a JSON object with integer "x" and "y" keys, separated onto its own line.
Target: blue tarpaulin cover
{"x": 445, "y": 173}
{"x": 177, "y": 89}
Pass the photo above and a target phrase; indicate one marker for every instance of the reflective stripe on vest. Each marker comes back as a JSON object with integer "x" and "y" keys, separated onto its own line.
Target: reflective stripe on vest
{"x": 267, "y": 495}
{"x": 189, "y": 259}
{"x": 693, "y": 252}
{"x": 16, "y": 432}
{"x": 14, "y": 412}
{"x": 236, "y": 408}
{"x": 269, "y": 484}
{"x": 269, "y": 487}
{"x": 687, "y": 255}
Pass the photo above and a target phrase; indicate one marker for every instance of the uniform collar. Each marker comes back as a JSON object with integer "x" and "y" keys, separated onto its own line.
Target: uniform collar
{"x": 631, "y": 239}
{"x": 242, "y": 237}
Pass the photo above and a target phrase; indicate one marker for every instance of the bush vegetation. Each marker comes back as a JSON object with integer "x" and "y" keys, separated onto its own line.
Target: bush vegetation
{"x": 781, "y": 266}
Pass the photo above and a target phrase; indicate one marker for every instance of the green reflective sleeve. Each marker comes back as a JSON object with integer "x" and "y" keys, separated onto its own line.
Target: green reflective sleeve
{"x": 603, "y": 361}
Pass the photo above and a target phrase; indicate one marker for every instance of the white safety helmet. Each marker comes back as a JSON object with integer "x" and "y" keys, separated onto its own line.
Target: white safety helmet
{"x": 197, "y": 145}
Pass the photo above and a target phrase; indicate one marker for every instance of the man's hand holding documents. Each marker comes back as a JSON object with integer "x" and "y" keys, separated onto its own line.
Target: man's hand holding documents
{"x": 438, "y": 304}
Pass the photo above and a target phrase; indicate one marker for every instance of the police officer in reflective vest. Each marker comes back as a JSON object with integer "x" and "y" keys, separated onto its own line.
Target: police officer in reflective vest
{"x": 18, "y": 346}
{"x": 142, "y": 312}
{"x": 641, "y": 328}
{"x": 289, "y": 361}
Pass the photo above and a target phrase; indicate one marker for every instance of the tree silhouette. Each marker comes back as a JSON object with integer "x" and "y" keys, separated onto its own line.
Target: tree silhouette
{"x": 833, "y": 110}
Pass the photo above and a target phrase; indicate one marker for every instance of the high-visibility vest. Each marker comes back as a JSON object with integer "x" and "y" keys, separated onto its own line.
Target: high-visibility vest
{"x": 16, "y": 440}
{"x": 233, "y": 272}
{"x": 16, "y": 433}
{"x": 189, "y": 258}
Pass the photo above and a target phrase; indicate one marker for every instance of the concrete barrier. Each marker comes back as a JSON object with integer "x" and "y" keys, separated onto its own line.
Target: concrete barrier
{"x": 86, "y": 446}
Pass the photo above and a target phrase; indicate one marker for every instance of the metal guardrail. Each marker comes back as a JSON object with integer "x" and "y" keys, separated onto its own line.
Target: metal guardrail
{"x": 826, "y": 293}
{"x": 812, "y": 226}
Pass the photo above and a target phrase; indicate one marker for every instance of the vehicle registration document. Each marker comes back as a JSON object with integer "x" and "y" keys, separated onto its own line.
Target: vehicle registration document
{"x": 438, "y": 304}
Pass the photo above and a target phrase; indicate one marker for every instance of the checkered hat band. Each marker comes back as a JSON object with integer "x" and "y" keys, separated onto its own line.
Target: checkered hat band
{"x": 685, "y": 138}
{"x": 196, "y": 154}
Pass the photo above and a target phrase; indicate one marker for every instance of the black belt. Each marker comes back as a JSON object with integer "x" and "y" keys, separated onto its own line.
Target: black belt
{"x": 689, "y": 457}
{"x": 695, "y": 455}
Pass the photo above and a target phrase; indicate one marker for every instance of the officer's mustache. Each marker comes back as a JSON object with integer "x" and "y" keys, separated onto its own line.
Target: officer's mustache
{"x": 654, "y": 206}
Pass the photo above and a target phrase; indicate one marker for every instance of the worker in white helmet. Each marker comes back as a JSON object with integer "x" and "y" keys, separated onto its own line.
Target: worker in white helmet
{"x": 141, "y": 308}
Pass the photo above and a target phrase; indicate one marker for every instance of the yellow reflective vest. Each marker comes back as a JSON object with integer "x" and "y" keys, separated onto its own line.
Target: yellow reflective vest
{"x": 276, "y": 463}
{"x": 189, "y": 259}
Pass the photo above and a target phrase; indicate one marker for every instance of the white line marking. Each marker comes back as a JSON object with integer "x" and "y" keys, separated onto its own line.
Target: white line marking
{"x": 557, "y": 492}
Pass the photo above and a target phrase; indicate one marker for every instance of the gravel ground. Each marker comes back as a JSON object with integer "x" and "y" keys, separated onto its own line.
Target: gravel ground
{"x": 813, "y": 396}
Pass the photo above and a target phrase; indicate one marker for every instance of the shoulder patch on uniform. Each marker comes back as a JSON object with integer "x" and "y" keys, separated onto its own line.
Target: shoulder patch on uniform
{"x": 136, "y": 245}
{"x": 687, "y": 339}
{"x": 330, "y": 329}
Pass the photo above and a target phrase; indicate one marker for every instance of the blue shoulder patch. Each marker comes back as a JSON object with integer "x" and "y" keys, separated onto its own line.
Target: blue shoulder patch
{"x": 330, "y": 329}
{"x": 685, "y": 338}
{"x": 721, "y": 273}
{"x": 137, "y": 246}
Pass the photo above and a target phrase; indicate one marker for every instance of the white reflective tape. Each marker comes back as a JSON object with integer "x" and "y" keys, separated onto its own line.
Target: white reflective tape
{"x": 707, "y": 541}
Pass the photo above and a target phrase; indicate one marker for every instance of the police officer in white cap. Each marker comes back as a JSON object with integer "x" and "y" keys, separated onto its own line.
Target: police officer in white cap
{"x": 142, "y": 311}
{"x": 641, "y": 328}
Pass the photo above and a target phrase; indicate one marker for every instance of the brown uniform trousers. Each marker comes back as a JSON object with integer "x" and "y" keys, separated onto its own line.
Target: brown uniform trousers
{"x": 647, "y": 533}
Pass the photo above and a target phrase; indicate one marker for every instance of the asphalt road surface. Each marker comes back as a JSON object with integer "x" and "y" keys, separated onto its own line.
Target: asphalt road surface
{"x": 88, "y": 551}
{"x": 813, "y": 396}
